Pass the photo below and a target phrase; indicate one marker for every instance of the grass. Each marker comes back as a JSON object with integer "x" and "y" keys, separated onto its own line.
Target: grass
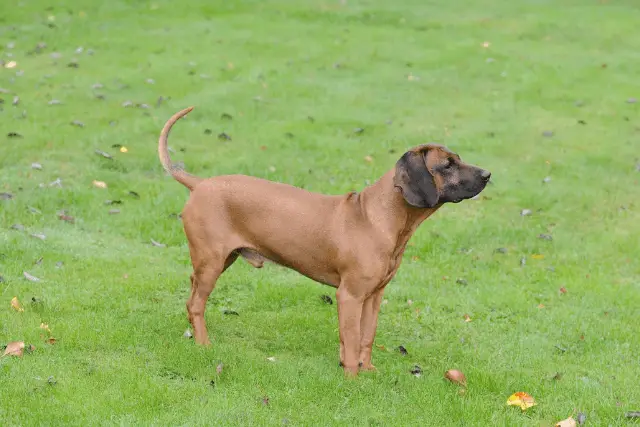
{"x": 297, "y": 79}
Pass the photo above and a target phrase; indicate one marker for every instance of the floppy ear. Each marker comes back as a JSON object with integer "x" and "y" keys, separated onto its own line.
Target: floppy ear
{"x": 415, "y": 180}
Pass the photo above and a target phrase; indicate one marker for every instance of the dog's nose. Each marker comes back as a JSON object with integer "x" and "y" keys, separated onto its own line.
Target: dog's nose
{"x": 485, "y": 174}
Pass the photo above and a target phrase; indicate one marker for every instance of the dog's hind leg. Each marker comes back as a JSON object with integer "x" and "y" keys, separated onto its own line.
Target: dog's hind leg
{"x": 206, "y": 271}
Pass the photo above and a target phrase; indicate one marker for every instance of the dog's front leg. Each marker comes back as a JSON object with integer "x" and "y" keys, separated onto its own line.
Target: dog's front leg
{"x": 368, "y": 325}
{"x": 349, "y": 314}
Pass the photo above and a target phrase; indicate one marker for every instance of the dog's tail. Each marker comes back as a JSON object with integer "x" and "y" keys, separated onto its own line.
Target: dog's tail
{"x": 184, "y": 178}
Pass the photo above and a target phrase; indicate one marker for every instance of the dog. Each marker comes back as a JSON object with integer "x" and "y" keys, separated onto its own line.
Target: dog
{"x": 352, "y": 242}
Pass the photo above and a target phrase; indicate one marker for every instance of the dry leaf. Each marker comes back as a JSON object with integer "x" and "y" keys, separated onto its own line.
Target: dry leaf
{"x": 16, "y": 304}
{"x": 15, "y": 348}
{"x": 540, "y": 305}
{"x": 99, "y": 184}
{"x": 537, "y": 256}
{"x": 158, "y": 244}
{"x": 271, "y": 359}
{"x": 456, "y": 376}
{"x": 563, "y": 290}
{"x": 521, "y": 399}
{"x": 45, "y": 327}
{"x": 51, "y": 340}
{"x": 368, "y": 159}
{"x": 11, "y": 64}
{"x": 30, "y": 277}
{"x": 123, "y": 149}
{"x": 569, "y": 422}
{"x": 486, "y": 44}
{"x": 467, "y": 318}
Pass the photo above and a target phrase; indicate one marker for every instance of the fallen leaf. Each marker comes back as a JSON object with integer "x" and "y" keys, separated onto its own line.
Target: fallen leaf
{"x": 11, "y": 64}
{"x": 30, "y": 277}
{"x": 272, "y": 169}
{"x": 15, "y": 348}
{"x": 158, "y": 244}
{"x": 521, "y": 399}
{"x": 67, "y": 218}
{"x": 16, "y": 304}
{"x": 456, "y": 376}
{"x": 123, "y": 149}
{"x": 271, "y": 359}
{"x": 537, "y": 256}
{"x": 99, "y": 184}
{"x": 327, "y": 299}
{"x": 368, "y": 159}
{"x": 45, "y": 327}
{"x": 486, "y": 44}
{"x": 403, "y": 351}
{"x": 467, "y": 318}
{"x": 563, "y": 290}
{"x": 416, "y": 371}
{"x": 51, "y": 340}
{"x": 104, "y": 154}
{"x": 569, "y": 422}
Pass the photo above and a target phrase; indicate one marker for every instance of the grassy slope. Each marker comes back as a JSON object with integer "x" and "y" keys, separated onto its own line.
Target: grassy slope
{"x": 120, "y": 357}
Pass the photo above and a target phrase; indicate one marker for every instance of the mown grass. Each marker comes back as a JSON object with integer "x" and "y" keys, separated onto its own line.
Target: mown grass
{"x": 298, "y": 78}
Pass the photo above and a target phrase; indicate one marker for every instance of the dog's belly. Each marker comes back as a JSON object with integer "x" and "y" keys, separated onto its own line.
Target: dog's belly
{"x": 257, "y": 259}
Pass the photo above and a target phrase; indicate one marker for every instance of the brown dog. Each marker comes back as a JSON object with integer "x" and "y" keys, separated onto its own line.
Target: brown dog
{"x": 353, "y": 242}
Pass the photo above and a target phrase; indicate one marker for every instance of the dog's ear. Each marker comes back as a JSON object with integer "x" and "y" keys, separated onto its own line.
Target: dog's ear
{"x": 415, "y": 181}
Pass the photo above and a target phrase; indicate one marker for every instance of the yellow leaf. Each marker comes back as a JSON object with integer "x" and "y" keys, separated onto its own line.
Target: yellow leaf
{"x": 537, "y": 256}
{"x": 11, "y": 64}
{"x": 467, "y": 318}
{"x": 99, "y": 184}
{"x": 569, "y": 422}
{"x": 45, "y": 327}
{"x": 521, "y": 399}
{"x": 123, "y": 149}
{"x": 16, "y": 304}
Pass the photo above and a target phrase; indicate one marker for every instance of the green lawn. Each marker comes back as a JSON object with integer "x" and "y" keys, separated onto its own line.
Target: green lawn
{"x": 540, "y": 92}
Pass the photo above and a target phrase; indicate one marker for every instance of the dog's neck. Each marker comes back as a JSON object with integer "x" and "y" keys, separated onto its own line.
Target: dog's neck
{"x": 384, "y": 206}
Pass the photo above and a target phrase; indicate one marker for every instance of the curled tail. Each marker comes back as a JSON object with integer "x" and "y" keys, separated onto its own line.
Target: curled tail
{"x": 184, "y": 178}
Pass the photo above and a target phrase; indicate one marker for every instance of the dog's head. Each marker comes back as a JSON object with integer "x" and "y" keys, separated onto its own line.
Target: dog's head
{"x": 430, "y": 175}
